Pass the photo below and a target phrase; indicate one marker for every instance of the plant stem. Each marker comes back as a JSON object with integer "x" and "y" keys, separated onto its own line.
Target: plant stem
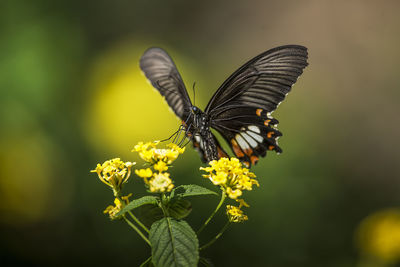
{"x": 146, "y": 262}
{"x": 138, "y": 222}
{"x": 216, "y": 237}
{"x": 214, "y": 212}
{"x": 137, "y": 230}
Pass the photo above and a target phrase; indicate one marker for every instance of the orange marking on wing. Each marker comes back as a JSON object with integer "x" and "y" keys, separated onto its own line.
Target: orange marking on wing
{"x": 258, "y": 112}
{"x": 266, "y": 122}
{"x": 269, "y": 134}
{"x": 221, "y": 153}
{"x": 248, "y": 151}
{"x": 271, "y": 147}
{"x": 236, "y": 149}
{"x": 254, "y": 160}
{"x": 247, "y": 164}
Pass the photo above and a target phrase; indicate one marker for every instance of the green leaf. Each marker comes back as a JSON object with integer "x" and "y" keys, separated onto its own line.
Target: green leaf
{"x": 148, "y": 214}
{"x": 179, "y": 208}
{"x": 137, "y": 203}
{"x": 191, "y": 190}
{"x": 174, "y": 244}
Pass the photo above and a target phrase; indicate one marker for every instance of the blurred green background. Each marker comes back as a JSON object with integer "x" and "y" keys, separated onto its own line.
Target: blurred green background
{"x": 72, "y": 95}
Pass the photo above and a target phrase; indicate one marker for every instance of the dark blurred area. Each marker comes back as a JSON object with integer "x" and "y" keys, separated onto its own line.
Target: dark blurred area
{"x": 72, "y": 95}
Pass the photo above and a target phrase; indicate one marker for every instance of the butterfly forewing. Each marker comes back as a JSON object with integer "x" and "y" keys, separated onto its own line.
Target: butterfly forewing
{"x": 161, "y": 71}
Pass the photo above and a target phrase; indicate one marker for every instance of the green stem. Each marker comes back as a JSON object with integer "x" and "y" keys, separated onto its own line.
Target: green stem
{"x": 216, "y": 237}
{"x": 137, "y": 230}
{"x": 139, "y": 222}
{"x": 162, "y": 206}
{"x": 214, "y": 212}
{"x": 146, "y": 262}
{"x": 117, "y": 195}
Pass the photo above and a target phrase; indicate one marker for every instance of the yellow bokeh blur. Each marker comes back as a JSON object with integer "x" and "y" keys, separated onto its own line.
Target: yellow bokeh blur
{"x": 378, "y": 236}
{"x": 124, "y": 107}
{"x": 29, "y": 175}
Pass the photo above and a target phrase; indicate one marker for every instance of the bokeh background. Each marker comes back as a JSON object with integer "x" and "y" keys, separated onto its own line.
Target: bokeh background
{"x": 72, "y": 95}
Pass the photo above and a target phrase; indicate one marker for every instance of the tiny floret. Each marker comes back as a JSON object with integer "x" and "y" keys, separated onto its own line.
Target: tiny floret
{"x": 144, "y": 173}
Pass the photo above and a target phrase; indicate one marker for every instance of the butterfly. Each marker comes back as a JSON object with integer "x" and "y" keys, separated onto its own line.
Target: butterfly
{"x": 240, "y": 110}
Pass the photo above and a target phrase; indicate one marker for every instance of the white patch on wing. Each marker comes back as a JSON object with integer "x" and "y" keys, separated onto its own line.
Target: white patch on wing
{"x": 241, "y": 142}
{"x": 257, "y": 137}
{"x": 254, "y": 128}
{"x": 249, "y": 140}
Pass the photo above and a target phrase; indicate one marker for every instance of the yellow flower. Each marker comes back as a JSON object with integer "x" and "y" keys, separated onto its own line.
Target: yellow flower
{"x": 219, "y": 178}
{"x": 242, "y": 203}
{"x": 176, "y": 147}
{"x": 233, "y": 194}
{"x": 144, "y": 173}
{"x": 149, "y": 153}
{"x": 231, "y": 176}
{"x": 161, "y": 183}
{"x": 126, "y": 198}
{"x": 114, "y": 173}
{"x": 160, "y": 166}
{"x": 113, "y": 210}
{"x": 379, "y": 236}
{"x": 235, "y": 214}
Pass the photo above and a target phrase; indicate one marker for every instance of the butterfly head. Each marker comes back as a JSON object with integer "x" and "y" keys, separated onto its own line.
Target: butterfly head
{"x": 196, "y": 110}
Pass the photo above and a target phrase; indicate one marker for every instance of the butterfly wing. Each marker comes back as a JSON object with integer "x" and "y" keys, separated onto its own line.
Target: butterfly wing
{"x": 161, "y": 71}
{"x": 240, "y": 109}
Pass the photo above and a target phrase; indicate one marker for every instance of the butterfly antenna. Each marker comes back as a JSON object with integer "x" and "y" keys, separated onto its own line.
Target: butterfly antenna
{"x": 194, "y": 94}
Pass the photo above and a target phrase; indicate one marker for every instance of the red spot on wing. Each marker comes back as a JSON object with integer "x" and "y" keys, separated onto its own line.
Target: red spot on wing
{"x": 221, "y": 153}
{"x": 254, "y": 160}
{"x": 236, "y": 149}
{"x": 248, "y": 152}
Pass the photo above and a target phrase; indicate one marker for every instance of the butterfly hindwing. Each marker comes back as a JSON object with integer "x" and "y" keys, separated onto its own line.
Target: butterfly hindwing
{"x": 161, "y": 71}
{"x": 250, "y": 133}
{"x": 241, "y": 108}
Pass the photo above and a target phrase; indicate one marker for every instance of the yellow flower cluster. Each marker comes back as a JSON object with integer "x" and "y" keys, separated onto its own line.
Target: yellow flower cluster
{"x": 158, "y": 180}
{"x": 114, "y": 173}
{"x": 230, "y": 175}
{"x": 235, "y": 214}
{"x": 149, "y": 153}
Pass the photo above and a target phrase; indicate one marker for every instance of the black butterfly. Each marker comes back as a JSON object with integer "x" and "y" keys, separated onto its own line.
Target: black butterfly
{"x": 240, "y": 109}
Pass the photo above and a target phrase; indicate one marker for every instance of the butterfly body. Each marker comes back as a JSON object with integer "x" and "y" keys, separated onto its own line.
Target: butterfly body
{"x": 197, "y": 127}
{"x": 240, "y": 110}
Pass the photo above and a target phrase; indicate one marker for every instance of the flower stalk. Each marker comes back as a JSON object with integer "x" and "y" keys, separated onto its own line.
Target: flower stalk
{"x": 217, "y": 236}
{"x": 222, "y": 200}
